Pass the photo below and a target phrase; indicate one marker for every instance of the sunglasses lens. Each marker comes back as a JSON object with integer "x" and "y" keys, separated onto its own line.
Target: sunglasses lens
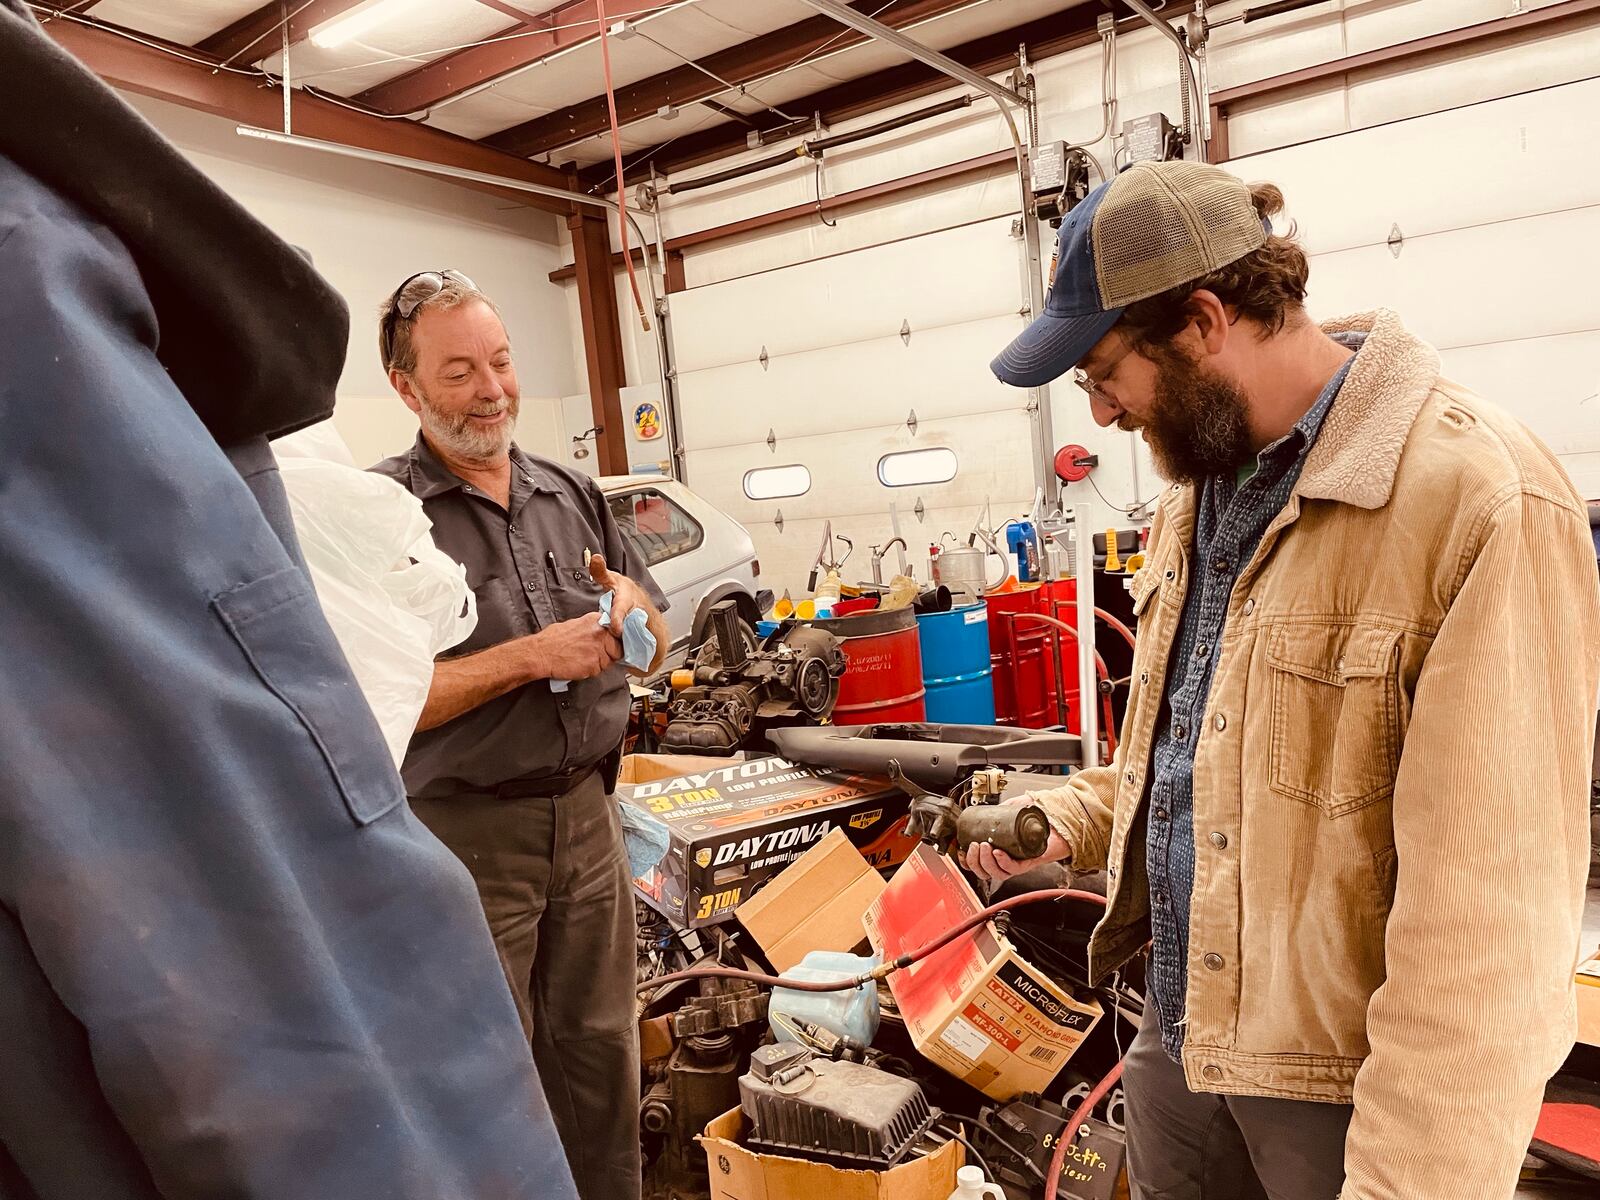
{"x": 414, "y": 291}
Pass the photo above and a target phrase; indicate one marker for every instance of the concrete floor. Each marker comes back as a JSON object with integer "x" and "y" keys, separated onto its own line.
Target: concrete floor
{"x": 1591, "y": 942}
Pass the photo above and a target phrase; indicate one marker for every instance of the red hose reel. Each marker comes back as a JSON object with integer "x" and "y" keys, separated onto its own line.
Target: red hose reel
{"x": 1073, "y": 464}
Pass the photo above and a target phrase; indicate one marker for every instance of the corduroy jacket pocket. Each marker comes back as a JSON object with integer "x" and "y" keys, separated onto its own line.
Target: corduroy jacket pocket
{"x": 1335, "y": 713}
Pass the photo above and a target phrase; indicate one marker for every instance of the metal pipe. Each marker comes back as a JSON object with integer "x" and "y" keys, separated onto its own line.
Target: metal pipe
{"x": 878, "y": 31}
{"x": 1089, "y": 713}
{"x": 1033, "y": 262}
{"x": 1186, "y": 73}
{"x": 669, "y": 377}
{"x": 677, "y": 187}
{"x": 520, "y": 185}
{"x": 812, "y": 148}
{"x": 834, "y": 141}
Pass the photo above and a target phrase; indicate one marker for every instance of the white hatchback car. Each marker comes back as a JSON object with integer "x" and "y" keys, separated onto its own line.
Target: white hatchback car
{"x": 697, "y": 554}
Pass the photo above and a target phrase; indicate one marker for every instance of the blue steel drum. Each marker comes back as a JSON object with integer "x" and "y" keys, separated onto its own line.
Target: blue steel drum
{"x": 956, "y": 667}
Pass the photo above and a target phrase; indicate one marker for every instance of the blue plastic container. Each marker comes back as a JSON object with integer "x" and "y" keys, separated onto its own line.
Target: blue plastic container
{"x": 957, "y": 669}
{"x": 1023, "y": 541}
{"x": 851, "y": 1014}
{"x": 765, "y": 629}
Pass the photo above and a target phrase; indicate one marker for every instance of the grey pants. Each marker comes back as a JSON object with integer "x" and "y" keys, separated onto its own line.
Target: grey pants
{"x": 553, "y": 878}
{"x": 1184, "y": 1145}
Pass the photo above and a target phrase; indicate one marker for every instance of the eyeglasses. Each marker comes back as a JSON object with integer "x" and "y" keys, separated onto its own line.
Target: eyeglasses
{"x": 411, "y": 295}
{"x": 1095, "y": 388}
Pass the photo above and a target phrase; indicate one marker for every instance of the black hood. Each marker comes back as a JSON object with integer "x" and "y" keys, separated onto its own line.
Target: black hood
{"x": 251, "y": 334}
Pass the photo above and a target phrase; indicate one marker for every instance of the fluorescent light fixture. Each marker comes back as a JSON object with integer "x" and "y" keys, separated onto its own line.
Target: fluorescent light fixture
{"x": 361, "y": 20}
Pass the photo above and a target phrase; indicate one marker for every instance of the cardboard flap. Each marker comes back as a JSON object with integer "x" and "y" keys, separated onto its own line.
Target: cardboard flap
{"x": 816, "y": 903}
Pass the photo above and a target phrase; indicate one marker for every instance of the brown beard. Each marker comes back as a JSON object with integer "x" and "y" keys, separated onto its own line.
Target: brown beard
{"x": 1198, "y": 424}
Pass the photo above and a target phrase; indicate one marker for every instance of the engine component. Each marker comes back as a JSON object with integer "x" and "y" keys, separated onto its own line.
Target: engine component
{"x": 1021, "y": 830}
{"x": 852, "y": 1015}
{"x": 1017, "y": 1142}
{"x": 732, "y": 691}
{"x": 700, "y": 1081}
{"x": 839, "y": 1112}
{"x": 935, "y": 756}
{"x": 744, "y": 1004}
{"x": 933, "y": 817}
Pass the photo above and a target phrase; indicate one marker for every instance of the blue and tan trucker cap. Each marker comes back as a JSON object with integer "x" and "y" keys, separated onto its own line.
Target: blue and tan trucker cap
{"x": 1152, "y": 228}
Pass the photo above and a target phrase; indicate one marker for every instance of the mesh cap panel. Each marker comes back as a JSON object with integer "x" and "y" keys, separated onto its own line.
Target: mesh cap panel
{"x": 1164, "y": 224}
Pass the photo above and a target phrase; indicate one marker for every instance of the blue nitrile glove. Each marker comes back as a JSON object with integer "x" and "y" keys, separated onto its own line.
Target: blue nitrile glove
{"x": 646, "y": 838}
{"x": 638, "y": 643}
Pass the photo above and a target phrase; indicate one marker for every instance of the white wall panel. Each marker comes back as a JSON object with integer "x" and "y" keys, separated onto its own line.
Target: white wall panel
{"x": 992, "y": 448}
{"x": 1528, "y": 154}
{"x": 1584, "y": 470}
{"x": 1550, "y": 384}
{"x": 958, "y": 275}
{"x": 940, "y": 373}
{"x": 1240, "y": 53}
{"x": 857, "y": 228}
{"x": 1445, "y": 80}
{"x": 367, "y": 227}
{"x": 1487, "y": 283}
{"x": 1373, "y": 26}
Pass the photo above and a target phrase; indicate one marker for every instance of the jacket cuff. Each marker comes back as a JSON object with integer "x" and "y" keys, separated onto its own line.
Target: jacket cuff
{"x": 1069, "y": 811}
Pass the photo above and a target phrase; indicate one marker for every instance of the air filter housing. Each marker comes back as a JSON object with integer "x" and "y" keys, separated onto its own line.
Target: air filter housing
{"x": 835, "y": 1112}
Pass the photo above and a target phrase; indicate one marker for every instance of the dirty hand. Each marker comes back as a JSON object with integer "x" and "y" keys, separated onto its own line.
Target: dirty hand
{"x": 629, "y": 595}
{"x": 576, "y": 649}
{"x": 991, "y": 863}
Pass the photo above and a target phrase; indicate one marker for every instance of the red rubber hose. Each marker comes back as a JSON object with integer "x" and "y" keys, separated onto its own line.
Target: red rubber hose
{"x": 1118, "y": 627}
{"x": 1108, "y": 726}
{"x": 888, "y": 968}
{"x": 1069, "y": 1131}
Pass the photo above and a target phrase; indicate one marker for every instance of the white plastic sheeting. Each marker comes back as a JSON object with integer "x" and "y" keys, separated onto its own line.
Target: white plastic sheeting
{"x": 393, "y": 600}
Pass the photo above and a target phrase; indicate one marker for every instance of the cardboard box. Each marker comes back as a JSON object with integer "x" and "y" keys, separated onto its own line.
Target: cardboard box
{"x": 738, "y": 1173}
{"x": 737, "y": 823}
{"x": 1589, "y": 1001}
{"x": 816, "y": 903}
{"x": 977, "y": 1008}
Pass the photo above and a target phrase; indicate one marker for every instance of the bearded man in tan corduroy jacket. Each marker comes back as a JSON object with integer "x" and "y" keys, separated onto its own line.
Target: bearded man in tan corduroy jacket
{"x": 1349, "y": 807}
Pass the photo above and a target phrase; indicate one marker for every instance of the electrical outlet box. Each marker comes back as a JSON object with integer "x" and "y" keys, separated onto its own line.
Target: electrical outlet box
{"x": 1048, "y": 162}
{"x": 1150, "y": 138}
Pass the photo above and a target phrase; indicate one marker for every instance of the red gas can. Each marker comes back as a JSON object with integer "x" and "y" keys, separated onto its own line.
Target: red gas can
{"x": 883, "y": 681}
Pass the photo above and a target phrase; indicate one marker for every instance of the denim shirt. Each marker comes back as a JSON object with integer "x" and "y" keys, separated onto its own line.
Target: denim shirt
{"x": 1232, "y": 514}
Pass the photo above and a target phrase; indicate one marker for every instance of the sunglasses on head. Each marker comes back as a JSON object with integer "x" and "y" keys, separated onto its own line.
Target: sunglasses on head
{"x": 413, "y": 293}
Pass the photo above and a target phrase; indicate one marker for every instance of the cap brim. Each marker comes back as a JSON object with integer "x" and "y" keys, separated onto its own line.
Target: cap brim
{"x": 1051, "y": 347}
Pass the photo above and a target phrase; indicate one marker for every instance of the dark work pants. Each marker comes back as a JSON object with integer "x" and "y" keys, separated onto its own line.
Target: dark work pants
{"x": 553, "y": 878}
{"x": 1184, "y": 1145}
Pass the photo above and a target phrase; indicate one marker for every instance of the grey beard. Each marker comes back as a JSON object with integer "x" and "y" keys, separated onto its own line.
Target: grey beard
{"x": 458, "y": 434}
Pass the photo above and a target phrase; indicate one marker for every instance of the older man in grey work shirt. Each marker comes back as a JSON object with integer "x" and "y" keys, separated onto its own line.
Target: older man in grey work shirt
{"x": 517, "y": 749}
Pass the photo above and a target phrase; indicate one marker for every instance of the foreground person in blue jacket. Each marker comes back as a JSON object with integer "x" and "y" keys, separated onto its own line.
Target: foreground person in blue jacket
{"x": 232, "y": 963}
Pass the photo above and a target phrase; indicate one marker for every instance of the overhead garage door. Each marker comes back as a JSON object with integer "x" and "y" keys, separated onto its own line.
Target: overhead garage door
{"x": 1494, "y": 210}
{"x": 824, "y": 365}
